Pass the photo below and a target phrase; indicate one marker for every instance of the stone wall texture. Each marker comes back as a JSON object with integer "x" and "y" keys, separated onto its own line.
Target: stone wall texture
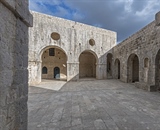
{"x": 14, "y": 21}
{"x": 145, "y": 44}
{"x": 74, "y": 39}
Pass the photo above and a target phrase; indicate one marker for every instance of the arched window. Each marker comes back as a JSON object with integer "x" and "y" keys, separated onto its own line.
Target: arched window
{"x": 44, "y": 70}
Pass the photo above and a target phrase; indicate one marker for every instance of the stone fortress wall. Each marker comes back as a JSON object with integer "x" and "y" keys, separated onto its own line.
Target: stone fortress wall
{"x": 75, "y": 40}
{"x": 145, "y": 47}
{"x": 15, "y": 19}
{"x": 82, "y": 50}
{"x": 134, "y": 60}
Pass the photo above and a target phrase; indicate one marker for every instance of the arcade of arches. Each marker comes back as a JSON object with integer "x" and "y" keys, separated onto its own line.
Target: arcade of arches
{"x": 54, "y": 66}
{"x": 93, "y": 52}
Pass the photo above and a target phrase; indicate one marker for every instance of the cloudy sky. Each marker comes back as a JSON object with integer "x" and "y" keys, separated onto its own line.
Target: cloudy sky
{"x": 123, "y": 16}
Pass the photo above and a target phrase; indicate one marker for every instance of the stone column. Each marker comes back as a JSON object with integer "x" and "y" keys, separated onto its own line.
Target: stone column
{"x": 72, "y": 71}
{"x": 35, "y": 70}
{"x": 39, "y": 72}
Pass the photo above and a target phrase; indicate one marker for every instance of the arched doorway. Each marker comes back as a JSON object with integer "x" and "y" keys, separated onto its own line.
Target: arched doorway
{"x": 117, "y": 69}
{"x": 133, "y": 68}
{"x": 56, "y": 73}
{"x": 109, "y": 65}
{"x": 87, "y": 65}
{"x": 55, "y": 60}
{"x": 157, "y": 71}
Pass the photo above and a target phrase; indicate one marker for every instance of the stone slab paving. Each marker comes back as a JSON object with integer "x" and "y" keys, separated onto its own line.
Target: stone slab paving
{"x": 92, "y": 105}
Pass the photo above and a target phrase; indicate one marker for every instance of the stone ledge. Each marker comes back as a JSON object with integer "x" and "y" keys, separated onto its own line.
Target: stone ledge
{"x": 145, "y": 86}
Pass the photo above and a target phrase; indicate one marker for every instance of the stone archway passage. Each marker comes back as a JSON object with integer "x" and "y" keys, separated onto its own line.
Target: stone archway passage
{"x": 133, "y": 68}
{"x": 157, "y": 71}
{"x": 55, "y": 60}
{"x": 87, "y": 65}
{"x": 117, "y": 69}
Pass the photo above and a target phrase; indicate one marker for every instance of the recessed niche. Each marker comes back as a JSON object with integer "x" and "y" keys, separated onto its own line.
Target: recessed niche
{"x": 92, "y": 42}
{"x": 55, "y": 36}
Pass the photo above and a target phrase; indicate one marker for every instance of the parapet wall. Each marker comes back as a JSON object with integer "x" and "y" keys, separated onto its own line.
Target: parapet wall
{"x": 14, "y": 20}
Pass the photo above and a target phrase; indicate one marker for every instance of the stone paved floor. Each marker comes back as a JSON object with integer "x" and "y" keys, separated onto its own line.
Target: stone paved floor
{"x": 92, "y": 105}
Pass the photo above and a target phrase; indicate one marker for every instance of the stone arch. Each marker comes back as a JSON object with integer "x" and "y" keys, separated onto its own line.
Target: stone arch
{"x": 146, "y": 69}
{"x": 51, "y": 57}
{"x": 157, "y": 71}
{"x": 109, "y": 65}
{"x": 117, "y": 68}
{"x": 133, "y": 68}
{"x": 39, "y": 54}
{"x": 87, "y": 64}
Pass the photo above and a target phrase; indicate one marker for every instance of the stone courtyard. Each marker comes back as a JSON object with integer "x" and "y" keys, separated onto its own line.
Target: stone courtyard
{"x": 92, "y": 105}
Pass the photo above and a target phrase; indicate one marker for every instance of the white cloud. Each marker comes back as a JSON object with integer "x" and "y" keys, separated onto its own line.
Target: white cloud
{"x": 149, "y": 9}
{"x": 127, "y": 4}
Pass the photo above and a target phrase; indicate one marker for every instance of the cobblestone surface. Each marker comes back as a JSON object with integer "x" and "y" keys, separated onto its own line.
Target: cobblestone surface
{"x": 93, "y": 105}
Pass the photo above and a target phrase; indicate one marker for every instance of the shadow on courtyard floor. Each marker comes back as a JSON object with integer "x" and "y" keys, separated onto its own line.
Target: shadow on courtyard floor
{"x": 92, "y": 105}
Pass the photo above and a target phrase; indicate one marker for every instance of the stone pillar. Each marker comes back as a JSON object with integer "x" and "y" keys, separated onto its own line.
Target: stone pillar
{"x": 101, "y": 71}
{"x": 39, "y": 72}
{"x": 14, "y": 22}
{"x": 35, "y": 70}
{"x": 72, "y": 71}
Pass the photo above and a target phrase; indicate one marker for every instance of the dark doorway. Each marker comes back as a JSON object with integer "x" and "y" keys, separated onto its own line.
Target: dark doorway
{"x": 133, "y": 68}
{"x": 109, "y": 65}
{"x": 117, "y": 69}
{"x": 157, "y": 71}
{"x": 56, "y": 73}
